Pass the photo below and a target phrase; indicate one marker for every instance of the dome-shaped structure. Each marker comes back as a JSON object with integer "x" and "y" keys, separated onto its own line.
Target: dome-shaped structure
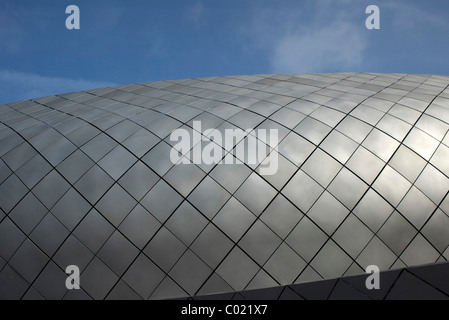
{"x": 86, "y": 179}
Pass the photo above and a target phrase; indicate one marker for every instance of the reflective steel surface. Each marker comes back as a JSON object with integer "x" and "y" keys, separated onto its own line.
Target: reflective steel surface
{"x": 86, "y": 180}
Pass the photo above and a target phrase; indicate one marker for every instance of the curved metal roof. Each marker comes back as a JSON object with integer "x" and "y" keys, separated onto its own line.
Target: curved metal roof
{"x": 86, "y": 180}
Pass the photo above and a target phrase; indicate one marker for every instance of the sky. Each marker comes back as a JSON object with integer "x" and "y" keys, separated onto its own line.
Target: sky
{"x": 123, "y": 42}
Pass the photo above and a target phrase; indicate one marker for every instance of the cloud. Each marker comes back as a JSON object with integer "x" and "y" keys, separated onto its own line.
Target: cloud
{"x": 311, "y": 37}
{"x": 15, "y": 86}
{"x": 336, "y": 47}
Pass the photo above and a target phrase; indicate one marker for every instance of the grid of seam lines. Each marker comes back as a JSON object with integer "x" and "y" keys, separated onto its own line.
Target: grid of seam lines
{"x": 86, "y": 180}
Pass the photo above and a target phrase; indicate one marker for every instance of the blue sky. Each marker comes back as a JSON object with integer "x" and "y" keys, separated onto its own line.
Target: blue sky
{"x": 134, "y": 41}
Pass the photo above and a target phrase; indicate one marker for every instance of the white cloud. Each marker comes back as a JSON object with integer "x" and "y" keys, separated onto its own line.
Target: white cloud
{"x": 16, "y": 85}
{"x": 336, "y": 47}
{"x": 314, "y": 36}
